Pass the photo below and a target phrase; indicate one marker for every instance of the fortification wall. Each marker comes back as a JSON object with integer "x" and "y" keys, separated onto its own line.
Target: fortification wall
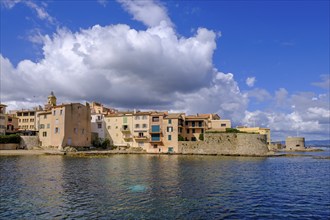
{"x": 28, "y": 142}
{"x": 295, "y": 143}
{"x": 227, "y": 144}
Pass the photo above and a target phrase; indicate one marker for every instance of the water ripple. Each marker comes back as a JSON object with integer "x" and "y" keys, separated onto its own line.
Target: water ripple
{"x": 164, "y": 187}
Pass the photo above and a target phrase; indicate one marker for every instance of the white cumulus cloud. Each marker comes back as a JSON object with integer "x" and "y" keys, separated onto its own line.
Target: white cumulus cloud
{"x": 250, "y": 81}
{"x": 149, "y": 12}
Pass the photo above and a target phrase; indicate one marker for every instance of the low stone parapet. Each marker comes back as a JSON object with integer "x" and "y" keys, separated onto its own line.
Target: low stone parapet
{"x": 9, "y": 146}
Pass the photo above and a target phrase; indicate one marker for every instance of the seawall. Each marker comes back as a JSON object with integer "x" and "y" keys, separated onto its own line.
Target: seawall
{"x": 28, "y": 142}
{"x": 227, "y": 144}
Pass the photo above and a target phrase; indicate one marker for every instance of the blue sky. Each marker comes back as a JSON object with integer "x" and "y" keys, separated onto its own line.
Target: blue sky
{"x": 260, "y": 63}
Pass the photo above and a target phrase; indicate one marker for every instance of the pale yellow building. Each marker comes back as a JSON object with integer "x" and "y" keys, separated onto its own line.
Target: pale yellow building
{"x": 141, "y": 126}
{"x": 154, "y": 132}
{"x": 2, "y": 119}
{"x": 257, "y": 130}
{"x": 26, "y": 119}
{"x": 119, "y": 129}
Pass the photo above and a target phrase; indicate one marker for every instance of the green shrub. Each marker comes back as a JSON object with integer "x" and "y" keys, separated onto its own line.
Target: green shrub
{"x": 105, "y": 143}
{"x": 201, "y": 137}
{"x": 232, "y": 130}
{"x": 101, "y": 143}
{"x": 10, "y": 139}
{"x": 180, "y": 138}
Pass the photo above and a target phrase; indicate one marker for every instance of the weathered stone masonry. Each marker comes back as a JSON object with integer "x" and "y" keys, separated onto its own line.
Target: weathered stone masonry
{"x": 227, "y": 144}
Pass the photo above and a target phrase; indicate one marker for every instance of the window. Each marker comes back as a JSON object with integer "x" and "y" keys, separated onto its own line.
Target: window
{"x": 31, "y": 126}
{"x": 223, "y": 125}
{"x": 31, "y": 113}
{"x": 48, "y": 125}
{"x": 202, "y": 130}
{"x": 193, "y": 124}
{"x": 155, "y": 119}
{"x": 19, "y": 120}
{"x": 99, "y": 125}
{"x": 188, "y": 131}
{"x": 61, "y": 112}
{"x": 186, "y": 123}
{"x": 193, "y": 130}
{"x": 169, "y": 137}
{"x": 75, "y": 130}
{"x": 155, "y": 137}
{"x": 144, "y": 117}
{"x": 155, "y": 128}
{"x": 137, "y": 117}
{"x": 170, "y": 121}
{"x": 45, "y": 116}
{"x": 41, "y": 126}
{"x": 19, "y": 114}
{"x": 44, "y": 134}
{"x": 98, "y": 117}
{"x": 169, "y": 129}
{"x": 54, "y": 112}
{"x": 83, "y": 131}
{"x": 10, "y": 120}
{"x": 125, "y": 120}
{"x": 155, "y": 145}
{"x": 109, "y": 127}
{"x": 31, "y": 119}
{"x": 200, "y": 124}
{"x": 57, "y": 130}
{"x": 56, "y": 121}
{"x": 140, "y": 134}
{"x": 137, "y": 126}
{"x": 25, "y": 114}
{"x": 144, "y": 126}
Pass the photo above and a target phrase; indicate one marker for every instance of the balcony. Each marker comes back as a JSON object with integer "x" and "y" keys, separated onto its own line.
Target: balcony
{"x": 125, "y": 129}
{"x": 141, "y": 137}
{"x": 128, "y": 137}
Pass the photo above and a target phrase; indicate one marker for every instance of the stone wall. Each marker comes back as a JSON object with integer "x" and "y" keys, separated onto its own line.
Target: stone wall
{"x": 295, "y": 143}
{"x": 8, "y": 146}
{"x": 227, "y": 144}
{"x": 28, "y": 142}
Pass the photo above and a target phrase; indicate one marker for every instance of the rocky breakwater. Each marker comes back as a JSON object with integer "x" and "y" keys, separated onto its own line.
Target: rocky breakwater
{"x": 243, "y": 144}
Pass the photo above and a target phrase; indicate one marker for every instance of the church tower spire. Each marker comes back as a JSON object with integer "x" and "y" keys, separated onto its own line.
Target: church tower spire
{"x": 51, "y": 100}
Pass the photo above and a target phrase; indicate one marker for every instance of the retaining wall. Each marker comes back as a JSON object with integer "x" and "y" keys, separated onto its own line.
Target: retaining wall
{"x": 8, "y": 146}
{"x": 227, "y": 144}
{"x": 28, "y": 142}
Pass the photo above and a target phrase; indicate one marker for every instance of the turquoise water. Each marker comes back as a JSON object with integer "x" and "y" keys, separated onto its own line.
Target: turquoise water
{"x": 164, "y": 187}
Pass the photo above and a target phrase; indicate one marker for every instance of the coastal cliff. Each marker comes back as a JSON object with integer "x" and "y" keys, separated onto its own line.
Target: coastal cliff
{"x": 227, "y": 144}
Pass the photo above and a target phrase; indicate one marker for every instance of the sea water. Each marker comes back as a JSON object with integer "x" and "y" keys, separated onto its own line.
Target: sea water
{"x": 164, "y": 187}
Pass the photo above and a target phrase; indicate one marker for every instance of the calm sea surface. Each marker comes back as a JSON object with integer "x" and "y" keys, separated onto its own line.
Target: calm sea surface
{"x": 164, "y": 187}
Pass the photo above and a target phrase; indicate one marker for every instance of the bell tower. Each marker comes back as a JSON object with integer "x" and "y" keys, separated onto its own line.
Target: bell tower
{"x": 51, "y": 99}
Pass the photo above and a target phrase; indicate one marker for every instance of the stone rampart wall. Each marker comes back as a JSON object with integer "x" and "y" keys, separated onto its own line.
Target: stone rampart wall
{"x": 28, "y": 142}
{"x": 227, "y": 144}
{"x": 8, "y": 146}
